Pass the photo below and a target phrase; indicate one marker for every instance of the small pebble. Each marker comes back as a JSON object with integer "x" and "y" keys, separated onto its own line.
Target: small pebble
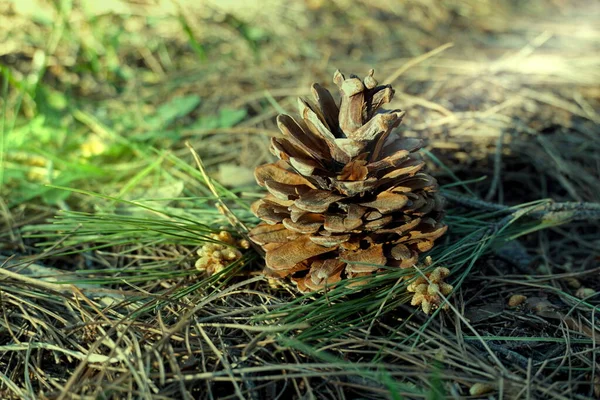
{"x": 584, "y": 292}
{"x": 573, "y": 283}
{"x": 480, "y": 388}
{"x": 516, "y": 300}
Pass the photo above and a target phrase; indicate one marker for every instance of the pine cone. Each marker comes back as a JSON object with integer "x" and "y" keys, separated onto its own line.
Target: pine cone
{"x": 346, "y": 197}
{"x": 215, "y": 256}
{"x": 427, "y": 289}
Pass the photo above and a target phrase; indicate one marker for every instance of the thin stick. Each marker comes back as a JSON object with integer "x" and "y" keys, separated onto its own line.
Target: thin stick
{"x": 231, "y": 217}
{"x": 33, "y": 281}
{"x": 417, "y": 60}
{"x": 560, "y": 212}
{"x": 497, "y": 167}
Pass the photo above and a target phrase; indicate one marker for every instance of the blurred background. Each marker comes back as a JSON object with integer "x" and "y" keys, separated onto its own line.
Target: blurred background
{"x": 504, "y": 89}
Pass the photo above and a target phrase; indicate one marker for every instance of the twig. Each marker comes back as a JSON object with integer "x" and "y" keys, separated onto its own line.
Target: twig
{"x": 228, "y": 131}
{"x": 508, "y": 355}
{"x": 32, "y": 281}
{"x": 406, "y": 66}
{"x": 222, "y": 207}
{"x": 473, "y": 202}
{"x": 549, "y": 211}
{"x": 497, "y": 167}
{"x": 515, "y": 253}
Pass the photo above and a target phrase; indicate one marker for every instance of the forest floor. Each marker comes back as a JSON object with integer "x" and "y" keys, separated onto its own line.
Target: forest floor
{"x": 103, "y": 206}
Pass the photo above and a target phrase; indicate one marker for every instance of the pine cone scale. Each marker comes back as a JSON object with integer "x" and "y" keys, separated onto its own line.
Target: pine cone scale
{"x": 371, "y": 258}
{"x": 327, "y": 104}
{"x": 387, "y": 202}
{"x": 317, "y": 128}
{"x": 317, "y": 200}
{"x": 329, "y": 241}
{"x": 264, "y": 234}
{"x": 293, "y": 252}
{"x": 304, "y": 227}
{"x": 279, "y": 173}
{"x": 311, "y": 144}
{"x": 351, "y": 108}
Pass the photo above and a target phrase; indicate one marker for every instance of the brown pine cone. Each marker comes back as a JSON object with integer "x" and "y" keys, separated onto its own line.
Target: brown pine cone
{"x": 347, "y": 196}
